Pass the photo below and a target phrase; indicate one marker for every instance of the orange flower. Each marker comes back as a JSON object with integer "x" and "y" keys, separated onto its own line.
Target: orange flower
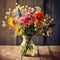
{"x": 39, "y": 16}
{"x": 36, "y": 22}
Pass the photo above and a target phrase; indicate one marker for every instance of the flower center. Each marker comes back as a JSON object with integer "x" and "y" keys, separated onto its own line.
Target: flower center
{"x": 39, "y": 17}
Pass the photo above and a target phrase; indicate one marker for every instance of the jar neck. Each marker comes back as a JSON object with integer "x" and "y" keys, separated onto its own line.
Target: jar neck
{"x": 26, "y": 38}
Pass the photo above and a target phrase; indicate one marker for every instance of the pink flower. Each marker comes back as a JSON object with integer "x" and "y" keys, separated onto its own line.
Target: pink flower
{"x": 28, "y": 20}
{"x": 17, "y": 20}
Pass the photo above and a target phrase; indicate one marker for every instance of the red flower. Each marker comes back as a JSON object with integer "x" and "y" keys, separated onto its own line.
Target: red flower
{"x": 39, "y": 16}
{"x": 25, "y": 23}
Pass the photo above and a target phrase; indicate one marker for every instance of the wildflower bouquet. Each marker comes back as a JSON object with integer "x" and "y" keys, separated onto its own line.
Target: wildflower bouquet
{"x": 28, "y": 21}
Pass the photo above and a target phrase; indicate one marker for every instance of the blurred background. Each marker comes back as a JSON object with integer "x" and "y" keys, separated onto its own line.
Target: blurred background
{"x": 7, "y": 36}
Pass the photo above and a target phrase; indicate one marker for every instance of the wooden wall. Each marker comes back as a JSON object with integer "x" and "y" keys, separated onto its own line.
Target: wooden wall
{"x": 7, "y": 36}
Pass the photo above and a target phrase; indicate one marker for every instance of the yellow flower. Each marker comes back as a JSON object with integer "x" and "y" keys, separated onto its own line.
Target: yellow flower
{"x": 19, "y": 30}
{"x": 11, "y": 22}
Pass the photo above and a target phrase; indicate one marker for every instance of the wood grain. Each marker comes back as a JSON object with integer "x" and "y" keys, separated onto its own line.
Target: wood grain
{"x": 14, "y": 53}
{"x": 55, "y": 51}
{"x": 6, "y": 35}
{"x": 44, "y": 53}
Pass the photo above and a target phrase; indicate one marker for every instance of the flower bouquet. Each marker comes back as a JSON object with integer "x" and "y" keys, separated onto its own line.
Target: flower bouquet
{"x": 28, "y": 21}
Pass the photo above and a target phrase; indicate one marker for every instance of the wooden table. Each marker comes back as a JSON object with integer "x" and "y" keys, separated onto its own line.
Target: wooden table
{"x": 45, "y": 53}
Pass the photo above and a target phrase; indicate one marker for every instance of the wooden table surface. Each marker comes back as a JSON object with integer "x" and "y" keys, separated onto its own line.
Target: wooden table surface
{"x": 45, "y": 53}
